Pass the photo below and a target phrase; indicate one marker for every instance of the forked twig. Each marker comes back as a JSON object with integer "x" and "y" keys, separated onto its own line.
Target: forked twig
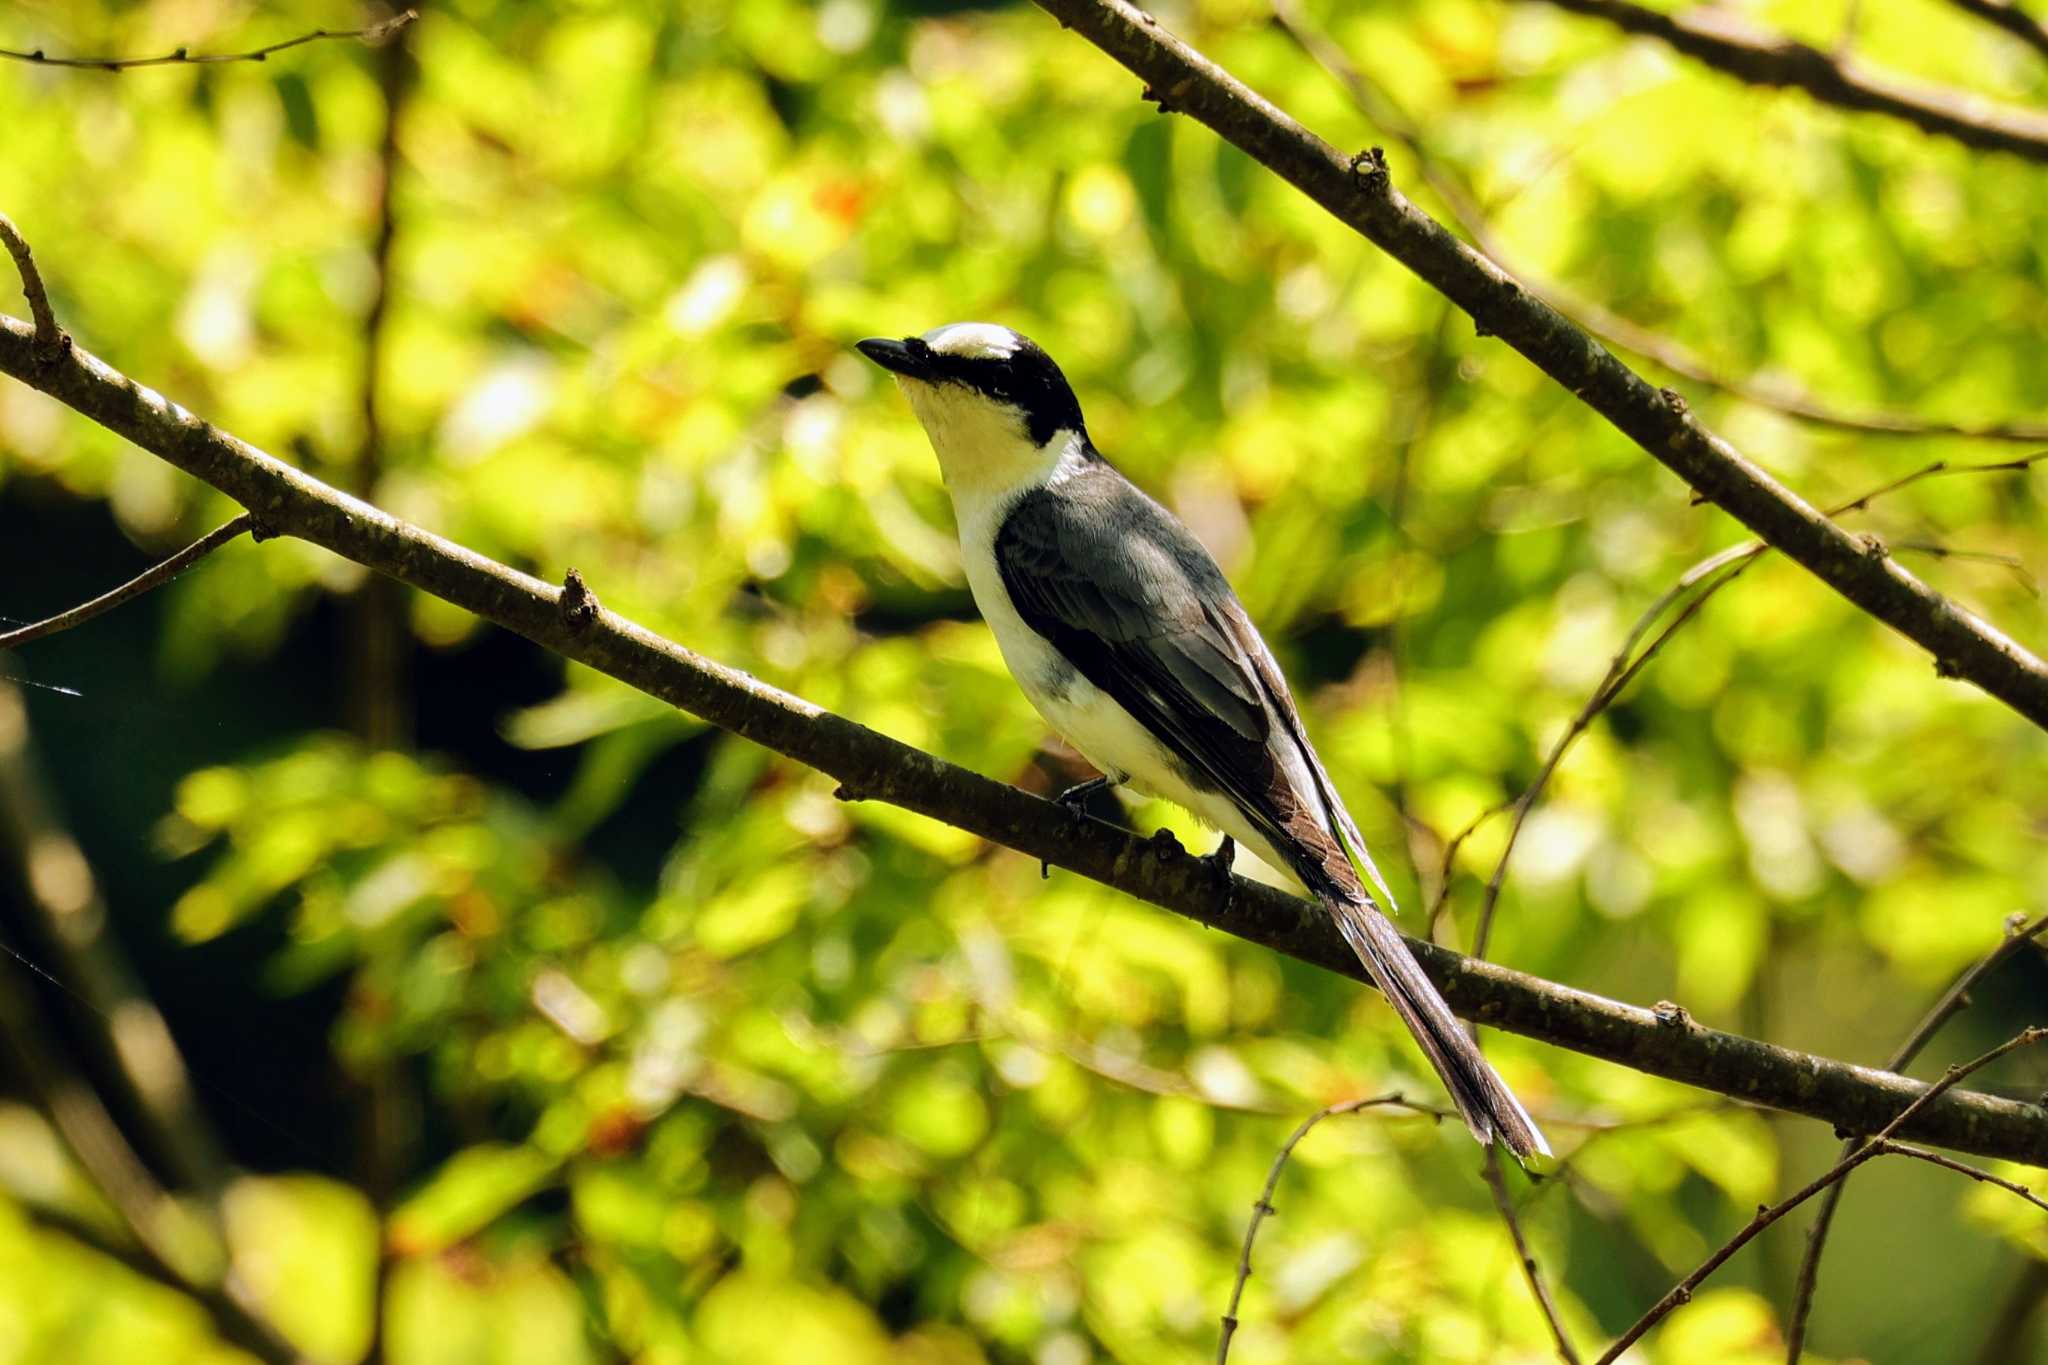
{"x": 1954, "y": 1000}
{"x": 1735, "y": 560}
{"x": 1262, "y": 1208}
{"x": 1864, "y": 1151}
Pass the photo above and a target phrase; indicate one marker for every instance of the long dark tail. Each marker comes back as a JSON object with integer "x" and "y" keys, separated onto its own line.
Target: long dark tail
{"x": 1483, "y": 1099}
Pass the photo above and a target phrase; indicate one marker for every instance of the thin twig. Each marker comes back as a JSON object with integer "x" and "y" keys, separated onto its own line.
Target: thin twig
{"x": 1619, "y": 675}
{"x": 1961, "y": 1168}
{"x": 154, "y": 577}
{"x": 1538, "y": 1288}
{"x": 370, "y": 33}
{"x": 1623, "y": 667}
{"x": 2011, "y": 563}
{"x": 1952, "y": 1001}
{"x": 1865, "y": 1150}
{"x": 1443, "y": 885}
{"x": 49, "y": 336}
{"x": 1262, "y": 1207}
{"x": 1379, "y": 106}
{"x": 1731, "y": 45}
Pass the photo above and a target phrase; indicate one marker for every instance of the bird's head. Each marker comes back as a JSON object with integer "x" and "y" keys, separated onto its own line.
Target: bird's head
{"x": 997, "y": 409}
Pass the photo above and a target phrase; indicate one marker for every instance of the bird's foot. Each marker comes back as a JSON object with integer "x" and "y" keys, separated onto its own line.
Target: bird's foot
{"x": 1075, "y": 799}
{"x": 1219, "y": 862}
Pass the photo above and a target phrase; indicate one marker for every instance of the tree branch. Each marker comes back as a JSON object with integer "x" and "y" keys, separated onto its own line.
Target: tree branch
{"x": 1955, "y": 999}
{"x": 231, "y": 1319}
{"x": 1890, "y": 1148}
{"x": 1730, "y": 563}
{"x": 1730, "y": 45}
{"x": 66, "y": 915}
{"x": 1374, "y": 101}
{"x": 372, "y": 33}
{"x": 871, "y": 766}
{"x": 1682, "y": 1292}
{"x": 2010, "y": 17}
{"x": 1360, "y": 194}
{"x": 1262, "y": 1207}
{"x": 2006, "y": 1337}
{"x": 1539, "y": 1289}
{"x": 150, "y": 1215}
{"x": 49, "y": 335}
{"x": 154, "y": 577}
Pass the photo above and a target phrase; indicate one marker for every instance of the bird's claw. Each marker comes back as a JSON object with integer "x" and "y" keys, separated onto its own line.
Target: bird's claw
{"x": 1075, "y": 799}
{"x": 1219, "y": 862}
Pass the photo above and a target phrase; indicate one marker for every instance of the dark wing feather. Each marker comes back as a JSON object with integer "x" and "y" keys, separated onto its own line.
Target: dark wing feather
{"x": 1157, "y": 628}
{"x": 1153, "y": 626}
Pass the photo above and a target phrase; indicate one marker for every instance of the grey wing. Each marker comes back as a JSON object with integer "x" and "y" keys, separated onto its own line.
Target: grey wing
{"x": 1339, "y": 818}
{"x": 1137, "y": 605}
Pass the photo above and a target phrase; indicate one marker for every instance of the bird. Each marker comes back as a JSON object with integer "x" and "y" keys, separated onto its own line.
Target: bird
{"x": 1125, "y": 635}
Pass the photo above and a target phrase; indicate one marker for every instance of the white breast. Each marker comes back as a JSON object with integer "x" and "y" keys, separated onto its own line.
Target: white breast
{"x": 1088, "y": 718}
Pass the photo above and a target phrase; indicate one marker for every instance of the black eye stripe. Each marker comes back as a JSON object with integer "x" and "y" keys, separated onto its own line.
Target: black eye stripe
{"x": 1027, "y": 379}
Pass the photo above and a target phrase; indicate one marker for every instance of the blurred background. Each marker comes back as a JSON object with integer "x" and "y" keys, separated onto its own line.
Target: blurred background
{"x": 567, "y": 1030}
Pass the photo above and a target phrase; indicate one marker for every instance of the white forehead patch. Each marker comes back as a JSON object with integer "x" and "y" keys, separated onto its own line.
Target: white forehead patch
{"x": 973, "y": 341}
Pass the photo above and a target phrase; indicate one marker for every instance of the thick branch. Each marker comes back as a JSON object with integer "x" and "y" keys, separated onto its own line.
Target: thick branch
{"x": 1728, "y": 44}
{"x": 1360, "y": 194}
{"x": 872, "y": 766}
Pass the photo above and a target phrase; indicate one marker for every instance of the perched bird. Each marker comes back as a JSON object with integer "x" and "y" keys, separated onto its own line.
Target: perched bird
{"x": 1124, "y": 634}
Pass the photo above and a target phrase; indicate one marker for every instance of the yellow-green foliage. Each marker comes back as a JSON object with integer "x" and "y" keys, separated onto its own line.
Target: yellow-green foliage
{"x": 839, "y": 1083}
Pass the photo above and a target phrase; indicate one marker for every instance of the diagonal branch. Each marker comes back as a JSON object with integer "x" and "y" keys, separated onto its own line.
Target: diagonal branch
{"x": 1948, "y": 1163}
{"x": 1539, "y": 1288}
{"x": 871, "y": 766}
{"x": 2010, "y": 17}
{"x": 49, "y": 335}
{"x": 149, "y": 1214}
{"x": 370, "y": 33}
{"x": 1955, "y": 999}
{"x": 1728, "y": 44}
{"x": 1378, "y": 105}
{"x": 1262, "y": 1207}
{"x": 65, "y": 914}
{"x": 1729, "y": 564}
{"x": 153, "y": 577}
{"x": 1870, "y": 1147}
{"x": 1359, "y": 193}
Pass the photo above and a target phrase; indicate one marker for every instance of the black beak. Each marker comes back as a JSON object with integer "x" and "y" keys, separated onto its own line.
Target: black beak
{"x": 900, "y": 357}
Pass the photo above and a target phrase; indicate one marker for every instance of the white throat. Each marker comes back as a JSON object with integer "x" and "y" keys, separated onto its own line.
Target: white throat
{"x": 986, "y": 455}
